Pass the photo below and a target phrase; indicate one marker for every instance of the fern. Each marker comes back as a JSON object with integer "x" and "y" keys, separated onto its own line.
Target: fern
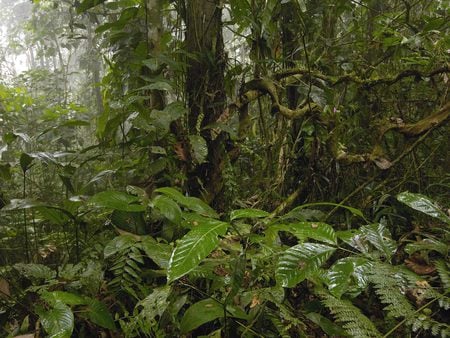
{"x": 390, "y": 283}
{"x": 126, "y": 260}
{"x": 355, "y": 323}
{"x": 444, "y": 273}
{"x": 389, "y": 286}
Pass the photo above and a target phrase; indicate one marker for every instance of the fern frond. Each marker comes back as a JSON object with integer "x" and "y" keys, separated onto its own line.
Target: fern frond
{"x": 355, "y": 323}
{"x": 389, "y": 286}
{"x": 444, "y": 273}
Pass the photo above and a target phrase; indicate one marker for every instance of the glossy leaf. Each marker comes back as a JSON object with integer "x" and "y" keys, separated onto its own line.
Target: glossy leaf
{"x": 248, "y": 213}
{"x": 97, "y": 313}
{"x": 194, "y": 247}
{"x": 168, "y": 208}
{"x": 379, "y": 236}
{"x": 314, "y": 230}
{"x": 206, "y": 311}
{"x": 192, "y": 203}
{"x": 423, "y": 204}
{"x": 118, "y": 244}
{"x": 301, "y": 261}
{"x": 58, "y": 321}
{"x": 19, "y": 204}
{"x": 344, "y": 273}
{"x": 117, "y": 200}
{"x": 159, "y": 252}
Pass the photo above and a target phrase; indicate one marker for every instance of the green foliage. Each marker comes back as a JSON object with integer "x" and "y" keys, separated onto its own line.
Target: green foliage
{"x": 354, "y": 322}
{"x": 192, "y": 248}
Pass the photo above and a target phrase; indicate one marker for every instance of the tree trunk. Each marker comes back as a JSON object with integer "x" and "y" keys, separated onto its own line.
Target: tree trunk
{"x": 206, "y": 93}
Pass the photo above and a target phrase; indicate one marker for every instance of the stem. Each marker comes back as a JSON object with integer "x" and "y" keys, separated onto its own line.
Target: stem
{"x": 24, "y": 194}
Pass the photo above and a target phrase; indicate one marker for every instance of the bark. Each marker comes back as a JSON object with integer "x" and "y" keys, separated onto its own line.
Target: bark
{"x": 206, "y": 93}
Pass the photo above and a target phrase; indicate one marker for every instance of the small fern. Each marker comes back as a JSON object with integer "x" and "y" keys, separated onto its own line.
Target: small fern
{"x": 355, "y": 323}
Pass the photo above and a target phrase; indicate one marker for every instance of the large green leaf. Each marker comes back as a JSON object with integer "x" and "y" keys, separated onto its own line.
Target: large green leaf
{"x": 118, "y": 244}
{"x": 168, "y": 208}
{"x": 205, "y": 311}
{"x": 159, "y": 252}
{"x": 300, "y": 262}
{"x": 248, "y": 213}
{"x": 117, "y": 200}
{"x": 423, "y": 204}
{"x": 155, "y": 304}
{"x": 315, "y": 230}
{"x": 67, "y": 298}
{"x": 58, "y": 322}
{"x": 344, "y": 273}
{"x": 194, "y": 247}
{"x": 379, "y": 236}
{"x": 97, "y": 313}
{"x": 192, "y": 203}
{"x": 354, "y": 211}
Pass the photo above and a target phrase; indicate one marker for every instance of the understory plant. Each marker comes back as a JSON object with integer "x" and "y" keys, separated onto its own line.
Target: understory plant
{"x": 249, "y": 273}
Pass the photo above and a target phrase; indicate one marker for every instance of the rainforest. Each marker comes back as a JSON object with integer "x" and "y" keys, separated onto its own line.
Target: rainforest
{"x": 224, "y": 168}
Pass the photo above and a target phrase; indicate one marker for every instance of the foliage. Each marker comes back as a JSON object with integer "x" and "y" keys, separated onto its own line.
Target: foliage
{"x": 314, "y": 202}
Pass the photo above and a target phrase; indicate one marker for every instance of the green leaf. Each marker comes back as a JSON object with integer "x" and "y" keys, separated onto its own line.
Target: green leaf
{"x": 315, "y": 230}
{"x": 248, "y": 213}
{"x": 194, "y": 247}
{"x": 346, "y": 272}
{"x": 19, "y": 204}
{"x": 155, "y": 304}
{"x": 428, "y": 244}
{"x": 58, "y": 322}
{"x": 159, "y": 252}
{"x": 354, "y": 211}
{"x": 168, "y": 208}
{"x": 423, "y": 204}
{"x": 205, "y": 311}
{"x": 87, "y": 4}
{"x": 301, "y": 261}
{"x": 379, "y": 236}
{"x": 25, "y": 161}
{"x": 192, "y": 203}
{"x": 199, "y": 148}
{"x": 118, "y": 244}
{"x": 330, "y": 328}
{"x": 64, "y": 297}
{"x": 117, "y": 200}
{"x": 5, "y": 171}
{"x": 35, "y": 271}
{"x": 98, "y": 313}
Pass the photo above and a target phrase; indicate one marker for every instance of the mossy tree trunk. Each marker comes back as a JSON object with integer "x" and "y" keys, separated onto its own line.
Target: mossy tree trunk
{"x": 206, "y": 94}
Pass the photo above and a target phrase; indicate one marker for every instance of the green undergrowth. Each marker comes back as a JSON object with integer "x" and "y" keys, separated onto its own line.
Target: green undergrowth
{"x": 250, "y": 274}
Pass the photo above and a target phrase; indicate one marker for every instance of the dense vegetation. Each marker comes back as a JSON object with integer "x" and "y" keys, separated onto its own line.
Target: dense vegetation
{"x": 240, "y": 168}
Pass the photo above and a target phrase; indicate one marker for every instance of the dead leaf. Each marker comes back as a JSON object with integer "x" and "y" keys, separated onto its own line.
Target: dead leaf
{"x": 420, "y": 269}
{"x": 4, "y": 288}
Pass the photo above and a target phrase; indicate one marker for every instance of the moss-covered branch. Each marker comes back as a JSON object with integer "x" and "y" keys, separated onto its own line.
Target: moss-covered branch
{"x": 367, "y": 83}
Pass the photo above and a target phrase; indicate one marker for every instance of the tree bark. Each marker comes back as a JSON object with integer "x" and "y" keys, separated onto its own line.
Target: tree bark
{"x": 206, "y": 93}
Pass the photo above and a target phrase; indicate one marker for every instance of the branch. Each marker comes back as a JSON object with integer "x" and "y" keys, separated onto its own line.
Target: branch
{"x": 367, "y": 83}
